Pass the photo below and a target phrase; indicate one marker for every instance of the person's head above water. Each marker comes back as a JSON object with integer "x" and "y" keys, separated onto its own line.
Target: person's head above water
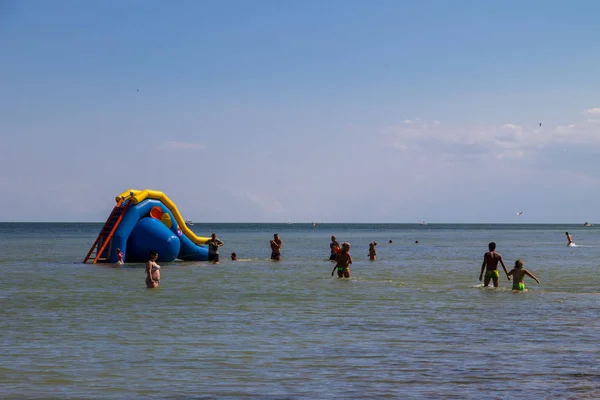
{"x": 234, "y": 256}
{"x": 492, "y": 246}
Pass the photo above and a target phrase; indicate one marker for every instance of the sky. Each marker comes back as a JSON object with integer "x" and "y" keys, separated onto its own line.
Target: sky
{"x": 302, "y": 111}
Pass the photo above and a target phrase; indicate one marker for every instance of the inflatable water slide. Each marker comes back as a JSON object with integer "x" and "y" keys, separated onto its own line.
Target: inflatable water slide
{"x": 145, "y": 220}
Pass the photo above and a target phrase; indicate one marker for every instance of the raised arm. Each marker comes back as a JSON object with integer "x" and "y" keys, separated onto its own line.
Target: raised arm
{"x": 532, "y": 276}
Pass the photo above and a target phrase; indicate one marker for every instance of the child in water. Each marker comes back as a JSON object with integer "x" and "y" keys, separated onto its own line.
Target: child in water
{"x": 518, "y": 273}
{"x": 119, "y": 257}
{"x": 372, "y": 252}
{"x": 343, "y": 261}
{"x": 234, "y": 257}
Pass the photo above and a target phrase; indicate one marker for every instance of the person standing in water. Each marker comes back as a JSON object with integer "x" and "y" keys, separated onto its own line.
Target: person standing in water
{"x": 372, "y": 252}
{"x": 334, "y": 246}
{"x": 152, "y": 271}
{"x": 213, "y": 248}
{"x": 518, "y": 273}
{"x": 570, "y": 241}
{"x": 119, "y": 257}
{"x": 343, "y": 261}
{"x": 490, "y": 265}
{"x": 276, "y": 244}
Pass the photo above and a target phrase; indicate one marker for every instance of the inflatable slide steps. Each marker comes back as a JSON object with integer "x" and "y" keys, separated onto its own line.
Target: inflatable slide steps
{"x": 101, "y": 248}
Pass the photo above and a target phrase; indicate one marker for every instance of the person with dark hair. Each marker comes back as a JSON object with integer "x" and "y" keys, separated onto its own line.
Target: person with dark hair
{"x": 490, "y": 265}
{"x": 152, "y": 270}
{"x": 343, "y": 261}
{"x": 213, "y": 248}
{"x": 570, "y": 241}
{"x": 334, "y": 246}
{"x": 276, "y": 244}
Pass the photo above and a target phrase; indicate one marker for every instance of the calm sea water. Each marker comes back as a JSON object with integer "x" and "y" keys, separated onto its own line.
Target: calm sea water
{"x": 416, "y": 323}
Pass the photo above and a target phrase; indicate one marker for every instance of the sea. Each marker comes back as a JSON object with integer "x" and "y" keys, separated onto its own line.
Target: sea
{"x": 414, "y": 324}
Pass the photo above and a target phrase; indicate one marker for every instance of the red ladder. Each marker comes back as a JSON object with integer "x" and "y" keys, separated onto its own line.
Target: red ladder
{"x": 105, "y": 236}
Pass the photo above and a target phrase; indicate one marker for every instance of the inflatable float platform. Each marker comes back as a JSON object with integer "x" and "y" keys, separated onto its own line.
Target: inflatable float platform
{"x": 145, "y": 220}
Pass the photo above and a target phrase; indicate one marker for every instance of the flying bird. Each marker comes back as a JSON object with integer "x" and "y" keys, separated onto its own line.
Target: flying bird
{"x": 540, "y": 124}
{"x": 519, "y": 213}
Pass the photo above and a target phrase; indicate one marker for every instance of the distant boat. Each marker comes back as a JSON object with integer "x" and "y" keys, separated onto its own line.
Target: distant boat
{"x": 587, "y": 224}
{"x": 315, "y": 224}
{"x": 422, "y": 223}
{"x": 189, "y": 223}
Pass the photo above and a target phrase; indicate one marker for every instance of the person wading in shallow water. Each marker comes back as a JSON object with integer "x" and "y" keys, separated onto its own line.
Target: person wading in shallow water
{"x": 276, "y": 244}
{"x": 343, "y": 261}
{"x": 152, "y": 270}
{"x": 490, "y": 265}
{"x": 334, "y": 246}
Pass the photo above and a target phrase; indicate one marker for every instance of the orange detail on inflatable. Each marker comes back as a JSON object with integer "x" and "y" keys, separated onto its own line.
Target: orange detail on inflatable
{"x": 156, "y": 212}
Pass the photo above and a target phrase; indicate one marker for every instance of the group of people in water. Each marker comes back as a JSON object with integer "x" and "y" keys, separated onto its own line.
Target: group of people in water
{"x": 340, "y": 254}
{"x": 490, "y": 267}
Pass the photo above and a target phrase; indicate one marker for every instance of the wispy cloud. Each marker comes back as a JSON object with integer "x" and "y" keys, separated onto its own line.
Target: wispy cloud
{"x": 173, "y": 145}
{"x": 592, "y": 111}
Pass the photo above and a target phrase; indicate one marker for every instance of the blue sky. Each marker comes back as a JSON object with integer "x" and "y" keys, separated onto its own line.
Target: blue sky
{"x": 326, "y": 111}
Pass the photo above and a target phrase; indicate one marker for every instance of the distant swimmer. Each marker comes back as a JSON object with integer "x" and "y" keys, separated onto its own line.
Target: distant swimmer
{"x": 234, "y": 257}
{"x": 570, "y": 241}
{"x": 372, "y": 253}
{"x": 343, "y": 261}
{"x": 334, "y": 246}
{"x": 276, "y": 244}
{"x": 390, "y": 242}
{"x": 490, "y": 265}
{"x": 518, "y": 273}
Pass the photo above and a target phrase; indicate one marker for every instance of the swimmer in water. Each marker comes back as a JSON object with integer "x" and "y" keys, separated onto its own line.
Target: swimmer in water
{"x": 372, "y": 252}
{"x": 119, "y": 257}
{"x": 343, "y": 261}
{"x": 570, "y": 241}
{"x": 490, "y": 265}
{"x": 152, "y": 270}
{"x": 334, "y": 246}
{"x": 518, "y": 273}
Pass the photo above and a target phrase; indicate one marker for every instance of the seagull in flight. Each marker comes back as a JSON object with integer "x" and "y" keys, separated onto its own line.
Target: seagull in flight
{"x": 519, "y": 213}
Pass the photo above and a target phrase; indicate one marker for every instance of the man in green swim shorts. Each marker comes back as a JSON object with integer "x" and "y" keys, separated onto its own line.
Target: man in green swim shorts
{"x": 518, "y": 273}
{"x": 490, "y": 266}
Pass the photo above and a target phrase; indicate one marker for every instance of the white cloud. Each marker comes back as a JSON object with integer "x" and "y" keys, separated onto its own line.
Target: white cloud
{"x": 518, "y": 129}
{"x": 399, "y": 146}
{"x": 172, "y": 145}
{"x": 592, "y": 111}
{"x": 407, "y": 121}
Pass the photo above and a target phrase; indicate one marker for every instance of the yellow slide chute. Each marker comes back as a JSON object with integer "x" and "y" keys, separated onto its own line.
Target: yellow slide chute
{"x": 137, "y": 196}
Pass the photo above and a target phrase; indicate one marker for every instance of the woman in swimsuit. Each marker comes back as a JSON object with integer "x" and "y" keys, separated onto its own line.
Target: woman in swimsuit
{"x": 343, "y": 261}
{"x": 152, "y": 271}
